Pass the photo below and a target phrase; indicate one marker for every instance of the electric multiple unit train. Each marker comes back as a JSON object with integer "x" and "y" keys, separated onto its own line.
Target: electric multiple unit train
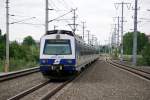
{"x": 62, "y": 54}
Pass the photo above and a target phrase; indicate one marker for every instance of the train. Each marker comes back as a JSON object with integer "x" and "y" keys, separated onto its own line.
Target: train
{"x": 63, "y": 54}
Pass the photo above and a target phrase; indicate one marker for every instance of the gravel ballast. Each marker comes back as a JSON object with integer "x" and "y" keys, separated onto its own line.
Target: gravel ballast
{"x": 104, "y": 82}
{"x": 41, "y": 92}
{"x": 12, "y": 87}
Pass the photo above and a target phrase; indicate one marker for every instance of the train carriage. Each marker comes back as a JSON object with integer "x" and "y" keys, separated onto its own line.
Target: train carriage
{"x": 62, "y": 54}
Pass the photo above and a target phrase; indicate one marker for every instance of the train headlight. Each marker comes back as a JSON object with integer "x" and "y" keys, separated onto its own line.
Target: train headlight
{"x": 69, "y": 61}
{"x": 44, "y": 61}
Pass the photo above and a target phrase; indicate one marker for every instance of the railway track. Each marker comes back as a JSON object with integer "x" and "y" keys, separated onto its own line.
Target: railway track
{"x": 138, "y": 72}
{"x": 26, "y": 92}
{"x": 45, "y": 89}
{"x": 133, "y": 67}
{"x": 49, "y": 94}
{"x": 16, "y": 74}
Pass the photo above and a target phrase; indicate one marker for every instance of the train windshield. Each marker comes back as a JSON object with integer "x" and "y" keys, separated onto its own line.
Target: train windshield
{"x": 57, "y": 47}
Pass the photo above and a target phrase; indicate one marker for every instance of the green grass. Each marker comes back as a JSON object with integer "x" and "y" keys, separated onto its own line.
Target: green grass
{"x": 140, "y": 60}
{"x": 1, "y": 65}
{"x": 18, "y": 65}
{"x": 127, "y": 57}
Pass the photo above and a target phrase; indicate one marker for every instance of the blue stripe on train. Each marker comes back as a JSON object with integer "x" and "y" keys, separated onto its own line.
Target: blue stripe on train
{"x": 65, "y": 68}
{"x": 62, "y": 61}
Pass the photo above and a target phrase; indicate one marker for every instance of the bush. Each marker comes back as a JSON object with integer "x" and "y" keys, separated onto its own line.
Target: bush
{"x": 2, "y": 63}
{"x": 146, "y": 54}
{"x": 22, "y": 56}
{"x": 18, "y": 64}
{"x": 128, "y": 42}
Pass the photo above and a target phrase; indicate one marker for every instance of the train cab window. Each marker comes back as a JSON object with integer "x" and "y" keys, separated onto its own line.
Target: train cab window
{"x": 57, "y": 47}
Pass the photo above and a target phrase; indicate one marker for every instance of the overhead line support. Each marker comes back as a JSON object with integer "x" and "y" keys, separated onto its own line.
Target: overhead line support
{"x": 134, "y": 58}
{"x": 6, "y": 69}
{"x": 122, "y": 24}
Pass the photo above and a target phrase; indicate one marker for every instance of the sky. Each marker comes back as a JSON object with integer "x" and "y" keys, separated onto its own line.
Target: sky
{"x": 98, "y": 15}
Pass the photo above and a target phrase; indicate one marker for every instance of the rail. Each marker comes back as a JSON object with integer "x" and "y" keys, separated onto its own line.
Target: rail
{"x": 11, "y": 75}
{"x": 47, "y": 95}
{"x": 141, "y": 73}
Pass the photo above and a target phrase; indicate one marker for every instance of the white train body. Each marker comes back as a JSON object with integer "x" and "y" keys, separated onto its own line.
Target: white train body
{"x": 61, "y": 53}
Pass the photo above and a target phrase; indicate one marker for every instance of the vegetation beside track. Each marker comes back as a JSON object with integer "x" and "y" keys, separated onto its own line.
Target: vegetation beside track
{"x": 22, "y": 55}
{"x": 143, "y": 49}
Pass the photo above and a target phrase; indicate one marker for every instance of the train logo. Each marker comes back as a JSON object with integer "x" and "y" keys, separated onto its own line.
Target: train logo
{"x": 57, "y": 61}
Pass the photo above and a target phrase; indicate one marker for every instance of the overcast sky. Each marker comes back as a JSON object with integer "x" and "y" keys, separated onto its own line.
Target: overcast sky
{"x": 98, "y": 15}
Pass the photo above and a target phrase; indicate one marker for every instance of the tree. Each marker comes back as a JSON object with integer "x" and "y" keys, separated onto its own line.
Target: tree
{"x": 2, "y": 50}
{"x": 16, "y": 51}
{"x": 2, "y": 46}
{"x": 31, "y": 49}
{"x": 142, "y": 40}
{"x": 29, "y": 41}
{"x": 32, "y": 54}
{"x": 146, "y": 53}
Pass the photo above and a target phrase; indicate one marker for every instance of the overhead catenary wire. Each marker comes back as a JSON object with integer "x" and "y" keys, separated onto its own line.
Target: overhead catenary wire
{"x": 23, "y": 20}
{"x": 15, "y": 19}
{"x": 122, "y": 24}
{"x": 61, "y": 6}
{"x": 31, "y": 24}
{"x": 16, "y": 15}
{"x": 60, "y": 16}
{"x": 50, "y": 5}
{"x": 64, "y": 4}
{"x": 68, "y": 24}
{"x": 53, "y": 5}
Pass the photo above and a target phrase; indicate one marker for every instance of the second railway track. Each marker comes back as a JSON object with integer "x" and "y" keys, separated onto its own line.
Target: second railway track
{"x": 15, "y": 82}
{"x": 12, "y": 75}
{"x": 141, "y": 73}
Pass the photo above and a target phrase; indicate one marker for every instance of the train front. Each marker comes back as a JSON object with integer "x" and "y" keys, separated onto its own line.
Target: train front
{"x": 57, "y": 56}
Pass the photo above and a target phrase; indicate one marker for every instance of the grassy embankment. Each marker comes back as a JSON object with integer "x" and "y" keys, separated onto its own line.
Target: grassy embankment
{"x": 140, "y": 60}
{"x": 18, "y": 65}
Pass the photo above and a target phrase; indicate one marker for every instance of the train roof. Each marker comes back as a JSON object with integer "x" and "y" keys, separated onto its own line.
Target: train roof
{"x": 60, "y": 32}
{"x": 64, "y": 32}
{"x": 77, "y": 37}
